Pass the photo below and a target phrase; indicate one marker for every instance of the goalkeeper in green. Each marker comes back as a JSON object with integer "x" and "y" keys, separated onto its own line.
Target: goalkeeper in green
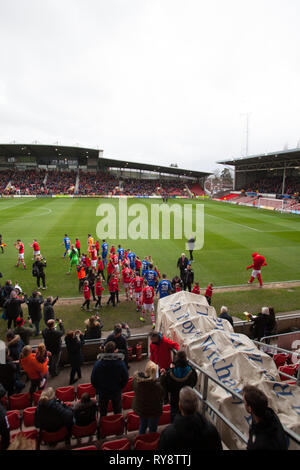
{"x": 74, "y": 260}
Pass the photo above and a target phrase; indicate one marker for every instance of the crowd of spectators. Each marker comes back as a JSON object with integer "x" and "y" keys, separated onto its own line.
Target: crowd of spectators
{"x": 60, "y": 182}
{"x": 23, "y": 181}
{"x": 273, "y": 185}
{"x": 167, "y": 378}
{"x": 64, "y": 182}
{"x": 96, "y": 183}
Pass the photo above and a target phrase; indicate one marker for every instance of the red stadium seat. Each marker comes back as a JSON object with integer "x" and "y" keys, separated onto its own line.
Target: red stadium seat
{"x": 28, "y": 416}
{"x": 127, "y": 399}
{"x": 132, "y": 421}
{"x": 280, "y": 359}
{"x": 86, "y": 448}
{"x": 36, "y": 397}
{"x": 14, "y": 419}
{"x": 19, "y": 401}
{"x": 146, "y": 441}
{"x": 112, "y": 425}
{"x": 82, "y": 431}
{"x": 119, "y": 444}
{"x": 128, "y": 386}
{"x": 65, "y": 393}
{"x": 85, "y": 388}
{"x": 53, "y": 437}
{"x": 290, "y": 370}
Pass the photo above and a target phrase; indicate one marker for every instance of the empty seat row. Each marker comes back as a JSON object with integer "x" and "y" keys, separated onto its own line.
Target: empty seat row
{"x": 20, "y": 401}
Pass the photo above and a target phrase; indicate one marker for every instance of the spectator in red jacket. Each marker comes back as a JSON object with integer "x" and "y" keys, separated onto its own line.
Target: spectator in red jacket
{"x": 87, "y": 296}
{"x": 161, "y": 349}
{"x": 209, "y": 292}
{"x": 196, "y": 288}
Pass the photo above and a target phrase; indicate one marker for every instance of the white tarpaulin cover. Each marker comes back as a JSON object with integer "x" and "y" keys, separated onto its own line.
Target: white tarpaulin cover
{"x": 232, "y": 358}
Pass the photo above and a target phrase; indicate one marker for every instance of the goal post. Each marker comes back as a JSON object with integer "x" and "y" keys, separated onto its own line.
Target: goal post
{"x": 270, "y": 204}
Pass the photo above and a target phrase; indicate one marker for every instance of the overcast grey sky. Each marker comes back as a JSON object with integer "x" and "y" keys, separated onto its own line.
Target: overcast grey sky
{"x": 158, "y": 81}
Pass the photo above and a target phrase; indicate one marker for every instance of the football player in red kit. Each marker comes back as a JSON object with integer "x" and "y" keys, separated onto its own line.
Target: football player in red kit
{"x": 94, "y": 258}
{"x": 148, "y": 305}
{"x": 137, "y": 283}
{"x": 126, "y": 278}
{"x": 36, "y": 249}
{"x": 258, "y": 262}
{"x": 20, "y": 247}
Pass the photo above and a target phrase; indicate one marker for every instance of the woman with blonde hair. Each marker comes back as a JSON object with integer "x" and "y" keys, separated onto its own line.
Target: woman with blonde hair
{"x": 93, "y": 327}
{"x": 148, "y": 398}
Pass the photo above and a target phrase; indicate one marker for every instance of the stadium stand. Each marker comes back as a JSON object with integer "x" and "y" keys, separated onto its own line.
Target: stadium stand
{"x": 197, "y": 189}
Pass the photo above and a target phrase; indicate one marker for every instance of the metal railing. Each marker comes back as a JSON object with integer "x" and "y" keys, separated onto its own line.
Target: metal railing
{"x": 206, "y": 404}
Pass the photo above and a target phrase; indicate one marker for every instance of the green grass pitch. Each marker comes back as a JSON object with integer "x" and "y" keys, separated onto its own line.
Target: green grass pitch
{"x": 231, "y": 234}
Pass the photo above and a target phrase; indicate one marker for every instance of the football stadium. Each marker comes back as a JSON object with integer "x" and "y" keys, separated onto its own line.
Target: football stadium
{"x": 73, "y": 211}
{"x": 149, "y": 231}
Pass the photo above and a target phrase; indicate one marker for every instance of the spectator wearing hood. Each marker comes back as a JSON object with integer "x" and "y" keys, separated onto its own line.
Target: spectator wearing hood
{"x": 177, "y": 377}
{"x": 109, "y": 376}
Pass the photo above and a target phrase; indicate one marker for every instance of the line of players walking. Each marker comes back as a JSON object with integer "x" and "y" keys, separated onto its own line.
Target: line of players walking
{"x": 140, "y": 278}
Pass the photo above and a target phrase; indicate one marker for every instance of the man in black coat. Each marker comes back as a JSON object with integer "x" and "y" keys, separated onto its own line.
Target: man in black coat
{"x": 120, "y": 340}
{"x": 225, "y": 315}
{"x": 13, "y": 309}
{"x": 266, "y": 431}
{"x": 188, "y": 278}
{"x": 34, "y": 304}
{"x": 48, "y": 309}
{"x": 109, "y": 377}
{"x": 182, "y": 265}
{"x": 74, "y": 341}
{"x": 189, "y": 430}
{"x": 38, "y": 271}
{"x": 52, "y": 338}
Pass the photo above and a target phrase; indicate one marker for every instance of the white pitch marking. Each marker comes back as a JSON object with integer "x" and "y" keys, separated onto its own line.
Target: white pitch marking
{"x": 236, "y": 223}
